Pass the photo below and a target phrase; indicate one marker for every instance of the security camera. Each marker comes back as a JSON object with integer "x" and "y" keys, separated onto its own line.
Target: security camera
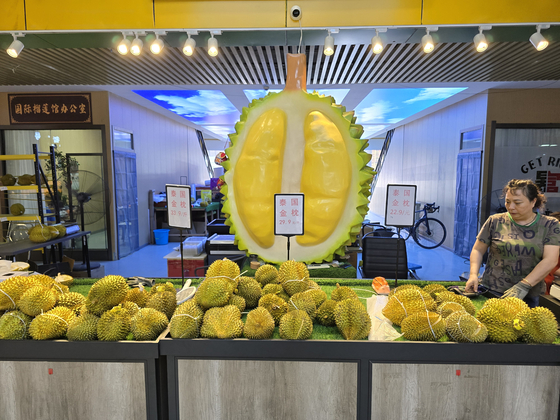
{"x": 295, "y": 13}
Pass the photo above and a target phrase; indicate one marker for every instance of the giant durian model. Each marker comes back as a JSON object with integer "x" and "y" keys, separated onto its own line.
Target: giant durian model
{"x": 296, "y": 142}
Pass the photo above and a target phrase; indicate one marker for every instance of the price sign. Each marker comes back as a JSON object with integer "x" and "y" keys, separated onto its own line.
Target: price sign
{"x": 288, "y": 214}
{"x": 399, "y": 208}
{"x": 179, "y": 206}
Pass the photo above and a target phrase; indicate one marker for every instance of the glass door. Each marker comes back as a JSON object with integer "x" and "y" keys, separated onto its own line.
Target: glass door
{"x": 126, "y": 200}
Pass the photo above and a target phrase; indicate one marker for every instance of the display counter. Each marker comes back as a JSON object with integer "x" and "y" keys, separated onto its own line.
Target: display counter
{"x": 45, "y": 380}
{"x": 242, "y": 379}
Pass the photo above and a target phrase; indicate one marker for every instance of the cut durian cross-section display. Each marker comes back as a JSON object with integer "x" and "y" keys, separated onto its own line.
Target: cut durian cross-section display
{"x": 296, "y": 142}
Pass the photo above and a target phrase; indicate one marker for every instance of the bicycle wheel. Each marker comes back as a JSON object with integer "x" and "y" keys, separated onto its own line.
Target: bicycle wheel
{"x": 405, "y": 233}
{"x": 429, "y": 233}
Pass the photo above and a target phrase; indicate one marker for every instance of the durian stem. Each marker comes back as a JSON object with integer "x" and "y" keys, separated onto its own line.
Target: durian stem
{"x": 296, "y": 72}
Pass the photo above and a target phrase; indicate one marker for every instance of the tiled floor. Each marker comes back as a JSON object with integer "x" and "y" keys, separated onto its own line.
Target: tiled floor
{"x": 437, "y": 264}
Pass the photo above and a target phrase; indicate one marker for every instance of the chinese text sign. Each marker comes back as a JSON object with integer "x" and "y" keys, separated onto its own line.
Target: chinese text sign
{"x": 288, "y": 214}
{"x": 179, "y": 206}
{"x": 399, "y": 209}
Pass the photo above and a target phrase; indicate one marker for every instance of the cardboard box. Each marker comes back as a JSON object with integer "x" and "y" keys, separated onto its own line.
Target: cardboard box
{"x": 190, "y": 264}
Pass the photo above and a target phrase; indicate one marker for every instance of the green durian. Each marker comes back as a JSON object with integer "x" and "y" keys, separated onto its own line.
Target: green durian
{"x": 465, "y": 328}
{"x": 222, "y": 322}
{"x": 538, "y": 324}
{"x": 447, "y": 308}
{"x": 13, "y": 288}
{"x": 36, "y": 300}
{"x": 26, "y": 179}
{"x": 276, "y": 289}
{"x": 405, "y": 302}
{"x": 148, "y": 324}
{"x": 137, "y": 295}
{"x": 423, "y": 326}
{"x": 275, "y": 305}
{"x": 238, "y": 301}
{"x": 325, "y": 313}
{"x": 293, "y": 276}
{"x": 213, "y": 292}
{"x": 165, "y": 302}
{"x": 8, "y": 180}
{"x": 498, "y": 316}
{"x": 342, "y": 293}
{"x": 304, "y": 302}
{"x": 83, "y": 328}
{"x": 434, "y": 288}
{"x": 114, "y": 325}
{"x": 165, "y": 287}
{"x": 259, "y": 324}
{"x": 266, "y": 274}
{"x": 61, "y": 230}
{"x": 52, "y": 324}
{"x": 318, "y": 295}
{"x": 186, "y": 321}
{"x": 296, "y": 325}
{"x": 464, "y": 301}
{"x": 106, "y": 293}
{"x": 250, "y": 290}
{"x": 404, "y": 287}
{"x": 40, "y": 233}
{"x": 225, "y": 269}
{"x": 17, "y": 209}
{"x": 131, "y": 307}
{"x": 14, "y": 325}
{"x": 352, "y": 319}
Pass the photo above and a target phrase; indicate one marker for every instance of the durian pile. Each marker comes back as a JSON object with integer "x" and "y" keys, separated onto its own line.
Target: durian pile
{"x": 285, "y": 298}
{"x": 9, "y": 180}
{"x": 43, "y": 233}
{"x": 430, "y": 313}
{"x": 42, "y": 308}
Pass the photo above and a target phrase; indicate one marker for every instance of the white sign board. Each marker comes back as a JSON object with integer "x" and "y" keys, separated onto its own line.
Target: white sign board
{"x": 178, "y": 206}
{"x": 288, "y": 214}
{"x": 399, "y": 208}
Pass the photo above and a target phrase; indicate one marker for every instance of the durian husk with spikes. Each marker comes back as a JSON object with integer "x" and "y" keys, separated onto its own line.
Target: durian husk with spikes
{"x": 296, "y": 142}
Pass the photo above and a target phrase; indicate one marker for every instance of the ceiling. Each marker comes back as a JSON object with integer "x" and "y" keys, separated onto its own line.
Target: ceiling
{"x": 255, "y": 59}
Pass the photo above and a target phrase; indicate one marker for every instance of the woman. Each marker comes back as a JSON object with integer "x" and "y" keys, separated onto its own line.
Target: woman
{"x": 523, "y": 245}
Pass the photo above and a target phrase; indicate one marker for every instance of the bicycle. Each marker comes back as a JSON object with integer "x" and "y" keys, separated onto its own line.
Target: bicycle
{"x": 427, "y": 232}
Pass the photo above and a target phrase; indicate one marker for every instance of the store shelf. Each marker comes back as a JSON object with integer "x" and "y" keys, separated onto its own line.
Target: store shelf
{"x": 23, "y": 157}
{"x": 26, "y": 188}
{"x": 23, "y": 217}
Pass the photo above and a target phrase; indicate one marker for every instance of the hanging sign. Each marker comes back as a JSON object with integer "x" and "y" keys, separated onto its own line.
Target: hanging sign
{"x": 288, "y": 214}
{"x": 61, "y": 108}
{"x": 399, "y": 208}
{"x": 178, "y": 206}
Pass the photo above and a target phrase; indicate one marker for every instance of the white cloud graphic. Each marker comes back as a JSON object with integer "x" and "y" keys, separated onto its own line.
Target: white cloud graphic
{"x": 374, "y": 113}
{"x": 430, "y": 94}
{"x": 370, "y": 130}
{"x": 206, "y": 103}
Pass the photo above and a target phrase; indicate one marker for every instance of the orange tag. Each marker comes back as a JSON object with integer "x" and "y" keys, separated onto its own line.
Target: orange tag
{"x": 380, "y": 286}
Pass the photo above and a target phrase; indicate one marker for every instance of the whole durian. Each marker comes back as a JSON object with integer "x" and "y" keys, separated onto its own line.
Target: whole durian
{"x": 26, "y": 179}
{"x": 137, "y": 295}
{"x": 36, "y": 300}
{"x": 13, "y": 288}
{"x": 293, "y": 276}
{"x": 464, "y": 301}
{"x": 164, "y": 287}
{"x": 148, "y": 324}
{"x": 53, "y": 231}
{"x": 8, "y": 180}
{"x": 238, "y": 301}
{"x": 164, "y": 301}
{"x": 325, "y": 313}
{"x": 434, "y": 288}
{"x": 275, "y": 305}
{"x": 52, "y": 324}
{"x": 83, "y": 328}
{"x": 61, "y": 230}
{"x": 40, "y": 233}
{"x": 224, "y": 322}
{"x": 352, "y": 319}
{"x": 106, "y": 293}
{"x": 226, "y": 269}
{"x": 131, "y": 307}
{"x": 296, "y": 325}
{"x": 318, "y": 295}
{"x": 276, "y": 289}
{"x": 404, "y": 287}
{"x": 213, "y": 292}
{"x": 447, "y": 308}
{"x": 114, "y": 325}
{"x": 405, "y": 302}
{"x": 259, "y": 324}
{"x": 14, "y": 325}
{"x": 498, "y": 316}
{"x": 250, "y": 290}
{"x": 539, "y": 325}
{"x": 266, "y": 274}
{"x": 342, "y": 293}
{"x": 304, "y": 302}
{"x": 17, "y": 209}
{"x": 423, "y": 326}
{"x": 465, "y": 328}
{"x": 186, "y": 321}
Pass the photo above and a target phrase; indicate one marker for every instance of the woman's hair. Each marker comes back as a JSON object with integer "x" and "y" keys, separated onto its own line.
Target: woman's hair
{"x": 529, "y": 190}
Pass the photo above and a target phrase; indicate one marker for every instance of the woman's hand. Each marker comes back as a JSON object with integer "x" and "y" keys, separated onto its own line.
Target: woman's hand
{"x": 472, "y": 284}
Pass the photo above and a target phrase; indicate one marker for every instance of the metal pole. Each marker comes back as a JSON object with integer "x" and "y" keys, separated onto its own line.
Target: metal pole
{"x": 182, "y": 262}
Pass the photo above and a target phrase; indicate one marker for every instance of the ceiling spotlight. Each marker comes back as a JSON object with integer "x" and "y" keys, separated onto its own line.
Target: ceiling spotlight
{"x": 190, "y": 44}
{"x": 428, "y": 42}
{"x": 124, "y": 46}
{"x": 329, "y": 45}
{"x": 15, "y": 47}
{"x": 480, "y": 42}
{"x": 157, "y": 46}
{"x": 539, "y": 41}
{"x": 136, "y": 46}
{"x": 376, "y": 43}
{"x": 212, "y": 46}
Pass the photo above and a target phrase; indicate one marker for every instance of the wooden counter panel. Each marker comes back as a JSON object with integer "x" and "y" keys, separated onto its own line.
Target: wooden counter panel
{"x": 430, "y": 391}
{"x": 248, "y": 389}
{"x": 72, "y": 390}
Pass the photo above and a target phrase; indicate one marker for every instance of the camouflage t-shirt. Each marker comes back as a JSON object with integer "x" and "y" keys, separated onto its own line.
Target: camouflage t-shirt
{"x": 514, "y": 250}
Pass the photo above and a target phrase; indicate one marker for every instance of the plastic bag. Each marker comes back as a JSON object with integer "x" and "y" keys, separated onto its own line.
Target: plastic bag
{"x": 381, "y": 328}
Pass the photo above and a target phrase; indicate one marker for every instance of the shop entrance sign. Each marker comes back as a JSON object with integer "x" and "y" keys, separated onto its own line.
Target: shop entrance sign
{"x": 178, "y": 206}
{"x": 399, "y": 208}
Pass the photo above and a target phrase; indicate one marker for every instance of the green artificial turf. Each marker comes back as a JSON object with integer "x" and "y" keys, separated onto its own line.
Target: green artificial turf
{"x": 361, "y": 287}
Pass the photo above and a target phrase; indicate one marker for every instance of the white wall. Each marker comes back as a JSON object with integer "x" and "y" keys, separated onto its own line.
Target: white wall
{"x": 165, "y": 151}
{"x": 424, "y": 153}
